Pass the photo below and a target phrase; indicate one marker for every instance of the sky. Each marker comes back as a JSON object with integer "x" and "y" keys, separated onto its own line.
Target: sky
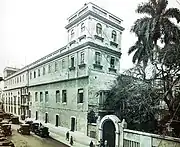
{"x": 31, "y": 29}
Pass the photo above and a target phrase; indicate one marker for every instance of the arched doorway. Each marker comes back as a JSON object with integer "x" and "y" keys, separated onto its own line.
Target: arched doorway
{"x": 109, "y": 133}
{"x": 109, "y": 129}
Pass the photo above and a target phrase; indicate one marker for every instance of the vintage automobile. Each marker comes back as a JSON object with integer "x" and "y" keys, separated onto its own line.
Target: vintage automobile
{"x": 34, "y": 126}
{"x": 24, "y": 129}
{"x": 7, "y": 143}
{"x": 6, "y": 129}
{"x": 42, "y": 131}
{"x": 8, "y": 115}
{"x": 14, "y": 120}
{"x": 4, "y": 122}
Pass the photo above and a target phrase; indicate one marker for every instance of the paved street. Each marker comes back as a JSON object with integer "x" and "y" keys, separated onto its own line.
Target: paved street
{"x": 32, "y": 140}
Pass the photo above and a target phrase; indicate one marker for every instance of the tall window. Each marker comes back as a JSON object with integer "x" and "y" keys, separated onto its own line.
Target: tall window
{"x": 36, "y": 115}
{"x": 73, "y": 123}
{"x": 41, "y": 96}
{"x": 82, "y": 58}
{"x": 49, "y": 68}
{"x": 114, "y": 36}
{"x": 57, "y": 120}
{"x": 39, "y": 72}
{"x": 29, "y": 113}
{"x": 99, "y": 29}
{"x": 63, "y": 63}
{"x": 46, "y": 96}
{"x": 80, "y": 96}
{"x": 44, "y": 70}
{"x": 98, "y": 58}
{"x": 34, "y": 74}
{"x": 82, "y": 27}
{"x": 46, "y": 117}
{"x": 72, "y": 33}
{"x": 20, "y": 79}
{"x": 72, "y": 61}
{"x": 112, "y": 62}
{"x": 64, "y": 96}
{"x": 23, "y": 77}
{"x": 57, "y": 96}
{"x": 56, "y": 66}
{"x": 36, "y": 96}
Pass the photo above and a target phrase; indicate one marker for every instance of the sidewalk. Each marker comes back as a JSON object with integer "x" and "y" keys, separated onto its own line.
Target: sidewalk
{"x": 60, "y": 138}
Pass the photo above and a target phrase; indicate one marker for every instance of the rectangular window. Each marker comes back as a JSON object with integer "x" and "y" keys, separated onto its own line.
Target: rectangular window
{"x": 56, "y": 66}
{"x": 34, "y": 74}
{"x": 63, "y": 63}
{"x": 44, "y": 70}
{"x": 97, "y": 58}
{"x": 23, "y": 78}
{"x": 49, "y": 68}
{"x": 80, "y": 96}
{"x": 72, "y": 61}
{"x": 46, "y": 96}
{"x": 36, "y": 96}
{"x": 73, "y": 123}
{"x": 14, "y": 109}
{"x": 64, "y": 96}
{"x": 57, "y": 120}
{"x": 20, "y": 79}
{"x": 18, "y": 111}
{"x": 39, "y": 73}
{"x": 57, "y": 96}
{"x": 82, "y": 58}
{"x": 29, "y": 113}
{"x": 36, "y": 115}
{"x": 41, "y": 96}
{"x": 30, "y": 75}
{"x": 46, "y": 117}
{"x": 112, "y": 62}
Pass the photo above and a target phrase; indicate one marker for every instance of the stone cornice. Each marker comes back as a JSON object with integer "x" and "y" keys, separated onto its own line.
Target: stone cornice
{"x": 91, "y": 13}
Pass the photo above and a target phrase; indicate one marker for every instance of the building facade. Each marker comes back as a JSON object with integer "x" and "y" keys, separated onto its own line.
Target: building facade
{"x": 61, "y": 88}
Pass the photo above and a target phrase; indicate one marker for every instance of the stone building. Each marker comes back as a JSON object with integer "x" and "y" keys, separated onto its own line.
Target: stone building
{"x": 61, "y": 88}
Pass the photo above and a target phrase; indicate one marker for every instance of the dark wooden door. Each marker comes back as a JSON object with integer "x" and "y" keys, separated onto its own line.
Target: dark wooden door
{"x": 109, "y": 133}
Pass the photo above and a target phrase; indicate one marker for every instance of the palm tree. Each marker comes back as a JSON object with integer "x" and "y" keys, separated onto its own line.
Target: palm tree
{"x": 156, "y": 25}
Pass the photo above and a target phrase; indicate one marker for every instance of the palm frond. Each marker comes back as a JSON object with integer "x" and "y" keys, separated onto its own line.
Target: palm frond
{"x": 133, "y": 48}
{"x": 173, "y": 13}
{"x": 146, "y": 8}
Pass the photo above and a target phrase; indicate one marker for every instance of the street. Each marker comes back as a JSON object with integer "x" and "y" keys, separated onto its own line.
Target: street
{"x": 32, "y": 140}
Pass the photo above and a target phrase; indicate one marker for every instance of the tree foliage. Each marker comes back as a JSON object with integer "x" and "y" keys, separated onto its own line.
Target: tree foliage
{"x": 135, "y": 101}
{"x": 159, "y": 42}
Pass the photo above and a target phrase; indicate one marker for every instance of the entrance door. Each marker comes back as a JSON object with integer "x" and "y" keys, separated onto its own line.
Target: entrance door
{"x": 109, "y": 133}
{"x": 36, "y": 115}
{"x": 57, "y": 120}
{"x": 46, "y": 117}
{"x": 73, "y": 120}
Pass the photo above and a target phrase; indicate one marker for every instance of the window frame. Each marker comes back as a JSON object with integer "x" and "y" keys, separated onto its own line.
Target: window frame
{"x": 57, "y": 96}
{"x": 82, "y": 27}
{"x": 79, "y": 100}
{"x": 64, "y": 97}
{"x": 99, "y": 29}
{"x": 98, "y": 58}
{"x": 112, "y": 59}
{"x": 72, "y": 33}
{"x": 114, "y": 36}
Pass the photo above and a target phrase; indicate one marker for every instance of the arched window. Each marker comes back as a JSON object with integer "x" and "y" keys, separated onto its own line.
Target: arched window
{"x": 72, "y": 33}
{"x": 82, "y": 27}
{"x": 98, "y": 28}
{"x": 114, "y": 36}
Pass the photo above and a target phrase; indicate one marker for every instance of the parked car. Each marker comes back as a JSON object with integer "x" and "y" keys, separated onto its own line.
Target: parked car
{"x": 6, "y": 128}
{"x": 42, "y": 131}
{"x": 7, "y": 143}
{"x": 24, "y": 129}
{"x": 34, "y": 127}
{"x": 14, "y": 120}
